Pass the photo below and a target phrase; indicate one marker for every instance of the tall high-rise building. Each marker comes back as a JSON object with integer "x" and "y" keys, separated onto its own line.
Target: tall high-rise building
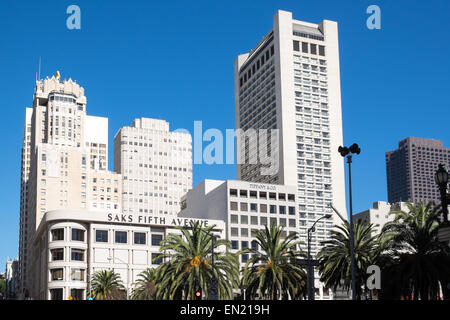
{"x": 64, "y": 165}
{"x": 290, "y": 81}
{"x": 25, "y": 171}
{"x": 410, "y": 170}
{"x": 156, "y": 165}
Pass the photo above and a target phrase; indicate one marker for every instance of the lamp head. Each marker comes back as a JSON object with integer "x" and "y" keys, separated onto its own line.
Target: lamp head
{"x": 343, "y": 151}
{"x": 354, "y": 148}
{"x": 441, "y": 176}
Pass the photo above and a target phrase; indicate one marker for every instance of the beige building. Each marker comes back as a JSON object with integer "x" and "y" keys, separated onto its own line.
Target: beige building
{"x": 290, "y": 82}
{"x": 156, "y": 165}
{"x": 379, "y": 214}
{"x": 68, "y": 164}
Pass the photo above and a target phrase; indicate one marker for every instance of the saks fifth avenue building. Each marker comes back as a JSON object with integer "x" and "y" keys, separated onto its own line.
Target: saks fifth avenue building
{"x": 70, "y": 245}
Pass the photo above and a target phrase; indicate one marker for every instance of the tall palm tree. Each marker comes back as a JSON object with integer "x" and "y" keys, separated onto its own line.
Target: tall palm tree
{"x": 420, "y": 264}
{"x": 189, "y": 265}
{"x": 107, "y": 285}
{"x": 145, "y": 285}
{"x": 272, "y": 272}
{"x": 335, "y": 256}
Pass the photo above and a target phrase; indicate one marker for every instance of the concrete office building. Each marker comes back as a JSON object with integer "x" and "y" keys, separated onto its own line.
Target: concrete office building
{"x": 410, "y": 170}
{"x": 290, "y": 81}
{"x": 73, "y": 244}
{"x": 379, "y": 215}
{"x": 247, "y": 206}
{"x": 156, "y": 165}
{"x": 67, "y": 166}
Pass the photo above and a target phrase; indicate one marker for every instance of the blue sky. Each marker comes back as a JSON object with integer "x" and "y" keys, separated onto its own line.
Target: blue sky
{"x": 174, "y": 60}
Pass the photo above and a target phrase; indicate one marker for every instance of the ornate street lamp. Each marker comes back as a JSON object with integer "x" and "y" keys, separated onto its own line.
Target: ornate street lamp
{"x": 346, "y": 152}
{"x": 441, "y": 179}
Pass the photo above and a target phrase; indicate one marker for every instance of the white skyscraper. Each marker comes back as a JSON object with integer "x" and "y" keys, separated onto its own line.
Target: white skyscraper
{"x": 64, "y": 166}
{"x": 156, "y": 165}
{"x": 290, "y": 81}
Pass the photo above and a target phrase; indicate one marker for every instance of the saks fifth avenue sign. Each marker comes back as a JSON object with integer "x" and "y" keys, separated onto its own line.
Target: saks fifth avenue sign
{"x": 155, "y": 220}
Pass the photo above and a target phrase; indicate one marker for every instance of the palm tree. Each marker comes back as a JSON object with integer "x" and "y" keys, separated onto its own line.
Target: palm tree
{"x": 189, "y": 265}
{"x": 335, "y": 256}
{"x": 272, "y": 272}
{"x": 106, "y": 285}
{"x": 420, "y": 264}
{"x": 145, "y": 285}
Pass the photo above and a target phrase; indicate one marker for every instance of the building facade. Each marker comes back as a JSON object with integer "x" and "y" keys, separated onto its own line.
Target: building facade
{"x": 247, "y": 206}
{"x": 73, "y": 244}
{"x": 67, "y": 166}
{"x": 156, "y": 165}
{"x": 290, "y": 82}
{"x": 23, "y": 215}
{"x": 379, "y": 214}
{"x": 11, "y": 277}
{"x": 410, "y": 170}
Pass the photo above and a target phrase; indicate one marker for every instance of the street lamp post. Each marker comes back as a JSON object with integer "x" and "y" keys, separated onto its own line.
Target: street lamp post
{"x": 344, "y": 151}
{"x": 310, "y": 270}
{"x": 128, "y": 273}
{"x": 213, "y": 294}
{"x": 441, "y": 178}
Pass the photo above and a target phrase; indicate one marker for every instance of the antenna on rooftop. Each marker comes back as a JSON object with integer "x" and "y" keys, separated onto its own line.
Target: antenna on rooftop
{"x": 39, "y": 68}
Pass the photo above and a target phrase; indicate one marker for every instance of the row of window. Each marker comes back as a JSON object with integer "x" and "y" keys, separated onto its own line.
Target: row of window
{"x": 262, "y": 208}
{"x": 309, "y": 48}
{"x": 262, "y": 195}
{"x": 260, "y": 62}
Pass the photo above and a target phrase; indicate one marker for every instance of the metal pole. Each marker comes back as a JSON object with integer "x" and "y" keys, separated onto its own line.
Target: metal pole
{"x": 310, "y": 274}
{"x": 352, "y": 244}
{"x": 443, "y": 191}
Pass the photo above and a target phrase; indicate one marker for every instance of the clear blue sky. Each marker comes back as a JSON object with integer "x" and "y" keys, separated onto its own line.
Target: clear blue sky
{"x": 174, "y": 60}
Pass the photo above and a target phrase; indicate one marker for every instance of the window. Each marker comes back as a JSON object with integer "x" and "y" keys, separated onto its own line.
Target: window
{"x": 233, "y": 192}
{"x": 262, "y": 195}
{"x": 322, "y": 50}
{"x": 57, "y": 234}
{"x": 296, "y": 45}
{"x": 56, "y": 274}
{"x": 139, "y": 238}
{"x": 77, "y": 294}
{"x": 154, "y": 260}
{"x": 234, "y": 218}
{"x": 253, "y": 207}
{"x": 156, "y": 239}
{"x": 56, "y": 294}
{"x": 254, "y": 245}
{"x": 282, "y": 210}
{"x": 263, "y": 208}
{"x": 77, "y": 255}
{"x": 291, "y": 210}
{"x": 77, "y": 274}
{"x": 233, "y": 206}
{"x": 272, "y": 195}
{"x": 101, "y": 236}
{"x": 263, "y": 221}
{"x": 121, "y": 237}
{"x": 77, "y": 235}
{"x": 235, "y": 245}
{"x": 273, "y": 208}
{"x": 57, "y": 254}
{"x": 244, "y": 257}
{"x": 244, "y": 219}
{"x": 305, "y": 47}
{"x": 244, "y": 232}
{"x": 244, "y": 206}
{"x": 254, "y": 220}
{"x": 313, "y": 48}
{"x": 244, "y": 244}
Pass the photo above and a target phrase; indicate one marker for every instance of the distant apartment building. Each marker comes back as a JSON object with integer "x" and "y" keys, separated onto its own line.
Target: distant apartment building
{"x": 156, "y": 165}
{"x": 410, "y": 170}
{"x": 290, "y": 82}
{"x": 67, "y": 168}
{"x": 379, "y": 214}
